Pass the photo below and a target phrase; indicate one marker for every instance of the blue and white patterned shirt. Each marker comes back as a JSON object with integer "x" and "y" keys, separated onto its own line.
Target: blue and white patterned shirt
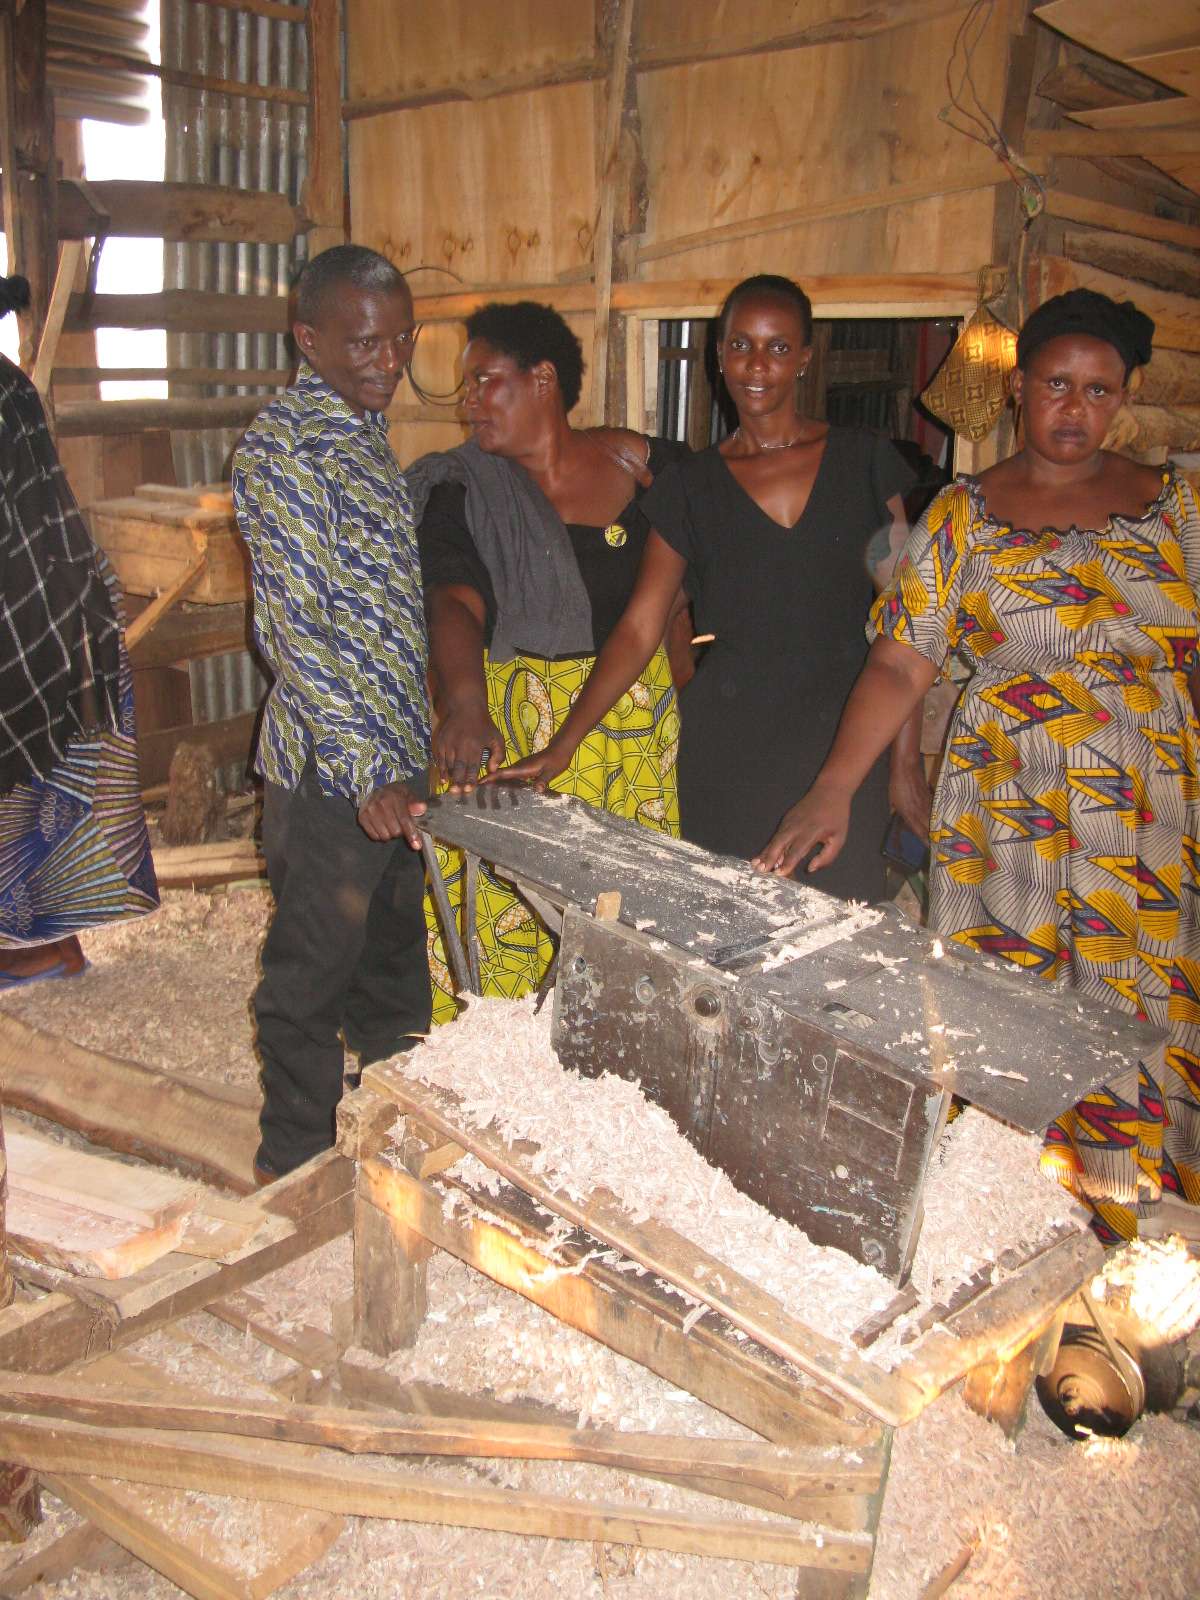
{"x": 322, "y": 504}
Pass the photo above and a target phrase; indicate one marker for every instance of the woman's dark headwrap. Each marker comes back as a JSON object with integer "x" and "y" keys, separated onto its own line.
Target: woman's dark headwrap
{"x": 1117, "y": 322}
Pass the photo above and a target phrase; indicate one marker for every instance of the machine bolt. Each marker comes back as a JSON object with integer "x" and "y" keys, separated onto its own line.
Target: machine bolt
{"x": 644, "y": 989}
{"x": 579, "y": 964}
{"x": 707, "y": 1004}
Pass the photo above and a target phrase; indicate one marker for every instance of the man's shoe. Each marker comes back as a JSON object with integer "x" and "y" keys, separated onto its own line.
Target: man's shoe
{"x": 264, "y": 1175}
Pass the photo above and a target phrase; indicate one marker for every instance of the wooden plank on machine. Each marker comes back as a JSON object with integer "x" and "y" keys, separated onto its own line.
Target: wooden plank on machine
{"x": 883, "y": 1395}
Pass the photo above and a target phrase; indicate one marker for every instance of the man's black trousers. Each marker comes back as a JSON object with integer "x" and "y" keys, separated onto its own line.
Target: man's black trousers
{"x": 345, "y": 953}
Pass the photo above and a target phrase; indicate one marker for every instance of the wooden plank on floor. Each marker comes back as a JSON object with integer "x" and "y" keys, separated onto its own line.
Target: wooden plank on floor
{"x": 213, "y": 1546}
{"x": 59, "y": 1331}
{"x": 129, "y": 1107}
{"x": 782, "y": 1470}
{"x": 881, "y": 1394}
{"x": 289, "y": 1474}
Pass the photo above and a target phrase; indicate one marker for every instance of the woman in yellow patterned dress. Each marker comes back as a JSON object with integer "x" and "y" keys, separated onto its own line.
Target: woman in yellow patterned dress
{"x": 530, "y": 541}
{"x": 1066, "y": 829}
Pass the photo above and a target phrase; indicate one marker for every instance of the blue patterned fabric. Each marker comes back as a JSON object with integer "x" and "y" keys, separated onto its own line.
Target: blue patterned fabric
{"x": 74, "y": 851}
{"x": 322, "y": 504}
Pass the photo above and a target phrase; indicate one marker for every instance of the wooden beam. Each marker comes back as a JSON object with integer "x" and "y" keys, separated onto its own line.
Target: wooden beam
{"x": 1087, "y": 142}
{"x": 1130, "y": 257}
{"x": 198, "y": 212}
{"x": 69, "y": 257}
{"x": 781, "y": 1470}
{"x": 897, "y": 194}
{"x": 1142, "y": 224}
{"x": 897, "y": 294}
{"x": 208, "y": 1130}
{"x": 181, "y": 311}
{"x": 293, "y": 1475}
{"x": 614, "y": 176}
{"x": 580, "y": 69}
{"x": 324, "y": 197}
{"x": 111, "y": 60}
{"x": 179, "y": 377}
{"x": 1176, "y": 317}
{"x": 191, "y": 634}
{"x": 1171, "y": 379}
{"x": 1095, "y": 83}
{"x": 88, "y": 419}
{"x": 148, "y": 618}
{"x": 634, "y": 1316}
{"x": 887, "y": 1396}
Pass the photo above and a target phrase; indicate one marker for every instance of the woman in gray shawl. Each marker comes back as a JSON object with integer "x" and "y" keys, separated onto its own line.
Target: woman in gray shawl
{"x": 530, "y": 542}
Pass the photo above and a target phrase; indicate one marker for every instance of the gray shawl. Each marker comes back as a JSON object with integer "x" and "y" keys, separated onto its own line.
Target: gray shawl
{"x": 541, "y": 603}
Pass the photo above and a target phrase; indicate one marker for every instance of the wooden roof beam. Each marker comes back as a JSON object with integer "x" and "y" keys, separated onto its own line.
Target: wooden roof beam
{"x": 202, "y": 212}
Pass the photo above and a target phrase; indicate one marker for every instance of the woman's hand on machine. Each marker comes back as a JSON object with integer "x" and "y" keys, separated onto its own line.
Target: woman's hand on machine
{"x": 465, "y": 741}
{"x": 537, "y": 770}
{"x": 812, "y": 832}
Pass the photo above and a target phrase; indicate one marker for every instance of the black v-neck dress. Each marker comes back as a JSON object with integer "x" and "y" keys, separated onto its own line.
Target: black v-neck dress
{"x": 789, "y": 608}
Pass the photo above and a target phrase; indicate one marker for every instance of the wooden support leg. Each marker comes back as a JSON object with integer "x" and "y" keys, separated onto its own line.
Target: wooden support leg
{"x": 20, "y": 1501}
{"x": 389, "y": 1278}
{"x": 999, "y": 1390}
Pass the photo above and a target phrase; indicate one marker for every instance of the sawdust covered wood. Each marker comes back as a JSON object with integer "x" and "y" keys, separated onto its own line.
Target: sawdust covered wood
{"x": 603, "y": 1132}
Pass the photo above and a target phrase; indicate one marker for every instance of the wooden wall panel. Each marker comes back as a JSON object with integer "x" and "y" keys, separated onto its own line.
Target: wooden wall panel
{"x": 423, "y": 44}
{"x": 502, "y": 191}
{"x": 668, "y": 29}
{"x": 760, "y": 133}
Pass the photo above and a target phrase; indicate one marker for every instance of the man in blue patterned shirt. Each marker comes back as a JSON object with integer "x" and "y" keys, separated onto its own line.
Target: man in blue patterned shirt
{"x": 344, "y": 746}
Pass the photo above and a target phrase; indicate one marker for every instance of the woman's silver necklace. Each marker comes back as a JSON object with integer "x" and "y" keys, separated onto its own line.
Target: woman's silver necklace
{"x": 759, "y": 445}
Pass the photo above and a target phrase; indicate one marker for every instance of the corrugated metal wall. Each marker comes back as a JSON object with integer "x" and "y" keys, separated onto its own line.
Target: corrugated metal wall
{"x": 248, "y": 144}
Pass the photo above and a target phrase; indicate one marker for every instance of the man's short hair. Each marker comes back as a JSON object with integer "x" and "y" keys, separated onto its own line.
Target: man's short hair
{"x": 342, "y": 264}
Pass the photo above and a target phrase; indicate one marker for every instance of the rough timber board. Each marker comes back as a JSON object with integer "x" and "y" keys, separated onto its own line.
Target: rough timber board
{"x": 299, "y": 1476}
{"x": 1119, "y": 30}
{"x": 638, "y": 1315}
{"x": 888, "y": 1397}
{"x": 59, "y": 1331}
{"x": 114, "y": 1188}
{"x": 214, "y": 1548}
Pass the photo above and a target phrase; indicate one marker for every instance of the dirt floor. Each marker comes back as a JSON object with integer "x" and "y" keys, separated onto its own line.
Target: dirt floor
{"x": 1043, "y": 1516}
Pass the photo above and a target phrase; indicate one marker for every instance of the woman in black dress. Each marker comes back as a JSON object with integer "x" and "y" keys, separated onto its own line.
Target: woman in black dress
{"x": 781, "y": 534}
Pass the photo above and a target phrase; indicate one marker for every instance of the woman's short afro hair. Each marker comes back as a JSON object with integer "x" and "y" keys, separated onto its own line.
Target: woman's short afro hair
{"x": 530, "y": 332}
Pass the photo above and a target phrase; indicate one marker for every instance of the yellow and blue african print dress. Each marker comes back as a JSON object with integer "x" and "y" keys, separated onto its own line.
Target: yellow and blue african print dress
{"x": 1066, "y": 826}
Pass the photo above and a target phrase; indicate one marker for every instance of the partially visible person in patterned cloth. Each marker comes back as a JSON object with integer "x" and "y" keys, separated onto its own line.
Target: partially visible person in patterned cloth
{"x": 344, "y": 745}
{"x": 530, "y": 543}
{"x": 74, "y": 852}
{"x": 1066, "y": 828}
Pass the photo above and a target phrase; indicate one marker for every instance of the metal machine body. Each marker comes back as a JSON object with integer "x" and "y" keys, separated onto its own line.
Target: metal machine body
{"x": 806, "y": 1047}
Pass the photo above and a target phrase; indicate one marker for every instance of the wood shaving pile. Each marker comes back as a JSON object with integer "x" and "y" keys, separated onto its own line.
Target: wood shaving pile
{"x": 170, "y": 990}
{"x": 1111, "y": 1517}
{"x": 985, "y": 1190}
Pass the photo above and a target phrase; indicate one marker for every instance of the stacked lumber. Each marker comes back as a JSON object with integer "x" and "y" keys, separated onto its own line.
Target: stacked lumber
{"x": 88, "y": 1214}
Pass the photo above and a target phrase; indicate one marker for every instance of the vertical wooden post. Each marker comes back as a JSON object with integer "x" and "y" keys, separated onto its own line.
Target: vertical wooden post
{"x": 389, "y": 1277}
{"x": 27, "y": 156}
{"x": 20, "y": 1503}
{"x": 618, "y": 158}
{"x": 324, "y": 198}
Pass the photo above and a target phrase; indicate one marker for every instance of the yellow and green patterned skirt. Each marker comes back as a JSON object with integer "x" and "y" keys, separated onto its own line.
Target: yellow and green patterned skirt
{"x": 626, "y": 765}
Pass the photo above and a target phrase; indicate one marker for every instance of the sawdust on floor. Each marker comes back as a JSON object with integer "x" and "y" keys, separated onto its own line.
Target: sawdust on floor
{"x": 1045, "y": 1515}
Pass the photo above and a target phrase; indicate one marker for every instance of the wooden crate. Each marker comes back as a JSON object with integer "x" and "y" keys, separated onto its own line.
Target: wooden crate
{"x": 153, "y": 536}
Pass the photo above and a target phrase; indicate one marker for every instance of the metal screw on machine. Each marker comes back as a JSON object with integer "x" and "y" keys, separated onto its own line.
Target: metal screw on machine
{"x": 707, "y": 1004}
